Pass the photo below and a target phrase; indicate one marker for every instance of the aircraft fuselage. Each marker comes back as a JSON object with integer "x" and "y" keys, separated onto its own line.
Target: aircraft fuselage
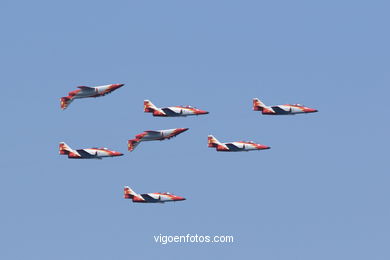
{"x": 287, "y": 110}
{"x": 240, "y": 147}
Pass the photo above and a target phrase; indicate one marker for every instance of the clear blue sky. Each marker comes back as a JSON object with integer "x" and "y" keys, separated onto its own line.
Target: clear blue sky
{"x": 321, "y": 192}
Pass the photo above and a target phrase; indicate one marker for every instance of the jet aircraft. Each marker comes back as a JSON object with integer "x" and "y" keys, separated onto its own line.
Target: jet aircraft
{"x": 90, "y": 153}
{"x": 87, "y": 92}
{"x": 151, "y": 135}
{"x": 156, "y": 197}
{"x": 281, "y": 109}
{"x": 175, "y": 111}
{"x": 235, "y": 146}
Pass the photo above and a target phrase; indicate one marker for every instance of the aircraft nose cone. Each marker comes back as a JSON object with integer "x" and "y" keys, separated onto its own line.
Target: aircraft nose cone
{"x": 116, "y": 86}
{"x": 203, "y": 112}
{"x": 180, "y": 198}
{"x": 183, "y": 129}
{"x": 118, "y": 154}
{"x": 311, "y": 110}
{"x": 265, "y": 147}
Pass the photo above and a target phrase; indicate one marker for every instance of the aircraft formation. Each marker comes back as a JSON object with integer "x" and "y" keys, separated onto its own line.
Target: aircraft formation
{"x": 159, "y": 135}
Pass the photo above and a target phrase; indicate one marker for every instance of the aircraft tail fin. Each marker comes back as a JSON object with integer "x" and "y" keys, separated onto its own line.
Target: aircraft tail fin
{"x": 129, "y": 193}
{"x": 258, "y": 105}
{"x": 149, "y": 107}
{"x": 132, "y": 144}
{"x": 212, "y": 141}
{"x": 65, "y": 101}
{"x": 65, "y": 149}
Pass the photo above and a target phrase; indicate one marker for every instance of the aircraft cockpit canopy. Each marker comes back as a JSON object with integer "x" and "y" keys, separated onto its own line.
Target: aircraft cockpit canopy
{"x": 188, "y": 106}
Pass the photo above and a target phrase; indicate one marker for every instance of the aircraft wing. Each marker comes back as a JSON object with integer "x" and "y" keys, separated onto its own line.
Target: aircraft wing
{"x": 232, "y": 147}
{"x": 149, "y": 198}
{"x": 169, "y": 112}
{"x": 85, "y": 154}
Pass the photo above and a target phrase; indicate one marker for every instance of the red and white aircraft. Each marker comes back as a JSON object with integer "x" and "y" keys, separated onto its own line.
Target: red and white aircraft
{"x": 175, "y": 111}
{"x": 235, "y": 146}
{"x": 87, "y": 92}
{"x": 281, "y": 109}
{"x": 90, "y": 153}
{"x": 150, "y": 197}
{"x": 154, "y": 135}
